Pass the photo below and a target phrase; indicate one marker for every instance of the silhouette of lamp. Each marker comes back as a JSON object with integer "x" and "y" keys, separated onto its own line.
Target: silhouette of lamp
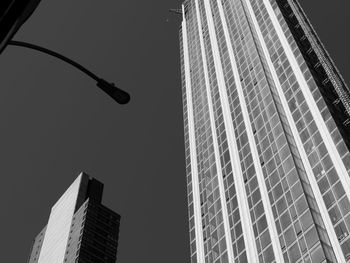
{"x": 13, "y": 14}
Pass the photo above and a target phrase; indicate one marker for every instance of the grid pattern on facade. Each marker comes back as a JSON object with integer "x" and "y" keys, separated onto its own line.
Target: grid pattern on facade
{"x": 326, "y": 81}
{"x": 273, "y": 106}
{"x": 289, "y": 82}
{"x": 328, "y": 180}
{"x": 267, "y": 128}
{"x": 313, "y": 144}
{"x": 99, "y": 235}
{"x": 225, "y": 160}
{"x": 263, "y": 239}
{"x": 211, "y": 212}
{"x": 36, "y": 247}
{"x": 188, "y": 157}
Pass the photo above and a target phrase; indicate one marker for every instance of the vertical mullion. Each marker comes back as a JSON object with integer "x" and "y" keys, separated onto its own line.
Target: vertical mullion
{"x": 261, "y": 181}
{"x": 248, "y": 233}
{"x": 193, "y": 152}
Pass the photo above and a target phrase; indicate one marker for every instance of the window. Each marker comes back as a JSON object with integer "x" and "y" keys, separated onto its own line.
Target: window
{"x": 288, "y": 164}
{"x": 277, "y": 191}
{"x": 265, "y": 239}
{"x": 311, "y": 237}
{"x": 301, "y": 205}
{"x": 346, "y": 249}
{"x": 297, "y": 190}
{"x": 224, "y": 258}
{"x": 327, "y": 162}
{"x": 256, "y": 196}
{"x": 329, "y": 199}
{"x": 290, "y": 236}
{"x": 297, "y": 228}
{"x": 306, "y": 220}
{"x": 268, "y": 255}
{"x": 323, "y": 185}
{"x": 294, "y": 253}
{"x": 259, "y": 209}
{"x": 292, "y": 177}
{"x": 338, "y": 190}
{"x": 302, "y": 244}
{"x": 285, "y": 220}
{"x": 344, "y": 205}
{"x": 332, "y": 176}
{"x": 262, "y": 224}
{"x": 240, "y": 244}
{"x": 334, "y": 214}
{"x": 317, "y": 255}
{"x": 341, "y": 231}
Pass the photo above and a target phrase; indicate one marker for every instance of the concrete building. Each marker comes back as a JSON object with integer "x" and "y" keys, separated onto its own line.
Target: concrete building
{"x": 80, "y": 229}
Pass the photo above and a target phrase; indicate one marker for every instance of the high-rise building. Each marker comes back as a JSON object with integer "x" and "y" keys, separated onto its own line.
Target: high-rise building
{"x": 80, "y": 229}
{"x": 267, "y": 135}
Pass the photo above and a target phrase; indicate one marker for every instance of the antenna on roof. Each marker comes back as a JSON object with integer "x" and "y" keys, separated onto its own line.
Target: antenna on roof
{"x": 176, "y": 11}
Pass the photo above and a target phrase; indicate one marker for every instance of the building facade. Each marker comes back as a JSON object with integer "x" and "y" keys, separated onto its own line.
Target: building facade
{"x": 267, "y": 135}
{"x": 80, "y": 229}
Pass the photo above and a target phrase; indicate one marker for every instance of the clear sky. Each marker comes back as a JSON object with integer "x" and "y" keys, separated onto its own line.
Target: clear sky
{"x": 55, "y": 122}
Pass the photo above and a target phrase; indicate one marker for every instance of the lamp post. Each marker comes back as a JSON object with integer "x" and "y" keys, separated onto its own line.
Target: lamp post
{"x": 117, "y": 94}
{"x": 13, "y": 13}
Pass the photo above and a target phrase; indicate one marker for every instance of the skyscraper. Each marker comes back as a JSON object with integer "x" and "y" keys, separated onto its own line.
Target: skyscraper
{"x": 80, "y": 229}
{"x": 267, "y": 135}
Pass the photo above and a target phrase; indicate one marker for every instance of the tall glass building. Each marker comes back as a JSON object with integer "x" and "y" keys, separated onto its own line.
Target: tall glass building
{"x": 80, "y": 229}
{"x": 267, "y": 135}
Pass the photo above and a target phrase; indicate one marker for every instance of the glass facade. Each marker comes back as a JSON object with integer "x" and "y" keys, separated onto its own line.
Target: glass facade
{"x": 267, "y": 131}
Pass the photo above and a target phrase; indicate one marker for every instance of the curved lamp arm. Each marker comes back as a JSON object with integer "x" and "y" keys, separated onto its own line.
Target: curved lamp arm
{"x": 117, "y": 94}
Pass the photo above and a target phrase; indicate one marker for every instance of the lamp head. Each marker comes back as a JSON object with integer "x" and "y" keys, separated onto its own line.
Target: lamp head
{"x": 117, "y": 94}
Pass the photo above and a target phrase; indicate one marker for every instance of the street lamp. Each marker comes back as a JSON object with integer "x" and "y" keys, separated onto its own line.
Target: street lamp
{"x": 117, "y": 94}
{"x": 13, "y": 13}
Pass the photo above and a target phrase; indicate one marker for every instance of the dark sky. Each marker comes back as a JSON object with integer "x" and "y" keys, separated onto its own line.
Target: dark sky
{"x": 56, "y": 123}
